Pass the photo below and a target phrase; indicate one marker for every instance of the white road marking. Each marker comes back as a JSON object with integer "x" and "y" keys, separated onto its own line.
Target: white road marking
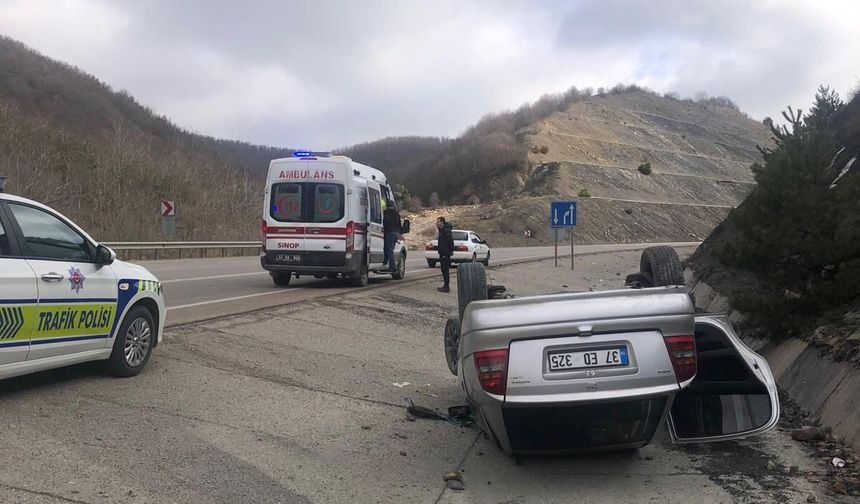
{"x": 213, "y": 277}
{"x": 235, "y": 298}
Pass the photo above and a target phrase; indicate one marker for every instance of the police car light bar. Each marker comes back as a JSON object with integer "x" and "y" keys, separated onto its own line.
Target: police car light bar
{"x": 304, "y": 153}
{"x": 2, "y": 184}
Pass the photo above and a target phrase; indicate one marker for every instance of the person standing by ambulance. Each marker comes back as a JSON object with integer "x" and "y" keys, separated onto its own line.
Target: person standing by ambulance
{"x": 445, "y": 247}
{"x": 392, "y": 227}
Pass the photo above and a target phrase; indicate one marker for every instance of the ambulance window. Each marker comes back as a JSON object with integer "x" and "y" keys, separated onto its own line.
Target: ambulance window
{"x": 287, "y": 202}
{"x": 4, "y": 242}
{"x": 47, "y": 237}
{"x": 328, "y": 203}
{"x": 375, "y": 206}
{"x": 386, "y": 194}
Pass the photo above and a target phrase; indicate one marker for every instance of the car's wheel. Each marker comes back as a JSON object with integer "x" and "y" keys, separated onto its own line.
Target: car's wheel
{"x": 452, "y": 342}
{"x": 471, "y": 285}
{"x": 360, "y": 278}
{"x": 474, "y": 257}
{"x": 663, "y": 264}
{"x": 486, "y": 260}
{"x": 133, "y": 343}
{"x": 400, "y": 264}
{"x": 281, "y": 278}
{"x": 431, "y": 263}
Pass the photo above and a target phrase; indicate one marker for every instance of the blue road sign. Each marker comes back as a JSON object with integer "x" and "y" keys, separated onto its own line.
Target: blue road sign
{"x": 562, "y": 214}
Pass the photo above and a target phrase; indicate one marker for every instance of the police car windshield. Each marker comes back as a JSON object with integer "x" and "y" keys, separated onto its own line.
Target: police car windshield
{"x": 460, "y": 236}
{"x": 307, "y": 202}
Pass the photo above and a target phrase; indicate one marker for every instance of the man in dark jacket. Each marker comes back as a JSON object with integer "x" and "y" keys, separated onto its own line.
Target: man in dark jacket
{"x": 445, "y": 247}
{"x": 393, "y": 229}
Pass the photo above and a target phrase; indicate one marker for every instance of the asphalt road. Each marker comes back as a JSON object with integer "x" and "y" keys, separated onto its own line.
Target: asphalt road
{"x": 199, "y": 289}
{"x": 303, "y": 403}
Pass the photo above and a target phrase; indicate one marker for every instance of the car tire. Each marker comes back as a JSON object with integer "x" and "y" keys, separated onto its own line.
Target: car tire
{"x": 663, "y": 264}
{"x": 400, "y": 264}
{"x": 486, "y": 261}
{"x": 133, "y": 343}
{"x": 282, "y": 278}
{"x": 639, "y": 280}
{"x": 431, "y": 263}
{"x": 361, "y": 278}
{"x": 474, "y": 257}
{"x": 471, "y": 285}
{"x": 452, "y": 343}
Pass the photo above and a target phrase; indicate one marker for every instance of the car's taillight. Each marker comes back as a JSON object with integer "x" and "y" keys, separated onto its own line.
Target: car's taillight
{"x": 492, "y": 367}
{"x": 682, "y": 351}
{"x": 429, "y": 246}
{"x": 461, "y": 248}
{"x": 350, "y": 236}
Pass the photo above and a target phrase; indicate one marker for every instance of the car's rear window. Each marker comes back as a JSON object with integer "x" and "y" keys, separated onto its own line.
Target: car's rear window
{"x": 307, "y": 202}
{"x": 460, "y": 236}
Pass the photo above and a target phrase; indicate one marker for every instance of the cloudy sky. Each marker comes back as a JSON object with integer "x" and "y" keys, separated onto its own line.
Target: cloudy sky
{"x": 323, "y": 74}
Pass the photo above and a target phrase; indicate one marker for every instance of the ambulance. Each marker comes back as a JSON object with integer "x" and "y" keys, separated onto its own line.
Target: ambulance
{"x": 322, "y": 217}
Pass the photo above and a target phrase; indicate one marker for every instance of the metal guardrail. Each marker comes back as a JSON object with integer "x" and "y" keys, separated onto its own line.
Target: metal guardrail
{"x": 122, "y": 247}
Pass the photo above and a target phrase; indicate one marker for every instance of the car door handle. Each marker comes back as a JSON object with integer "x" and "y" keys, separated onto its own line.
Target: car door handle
{"x": 52, "y": 277}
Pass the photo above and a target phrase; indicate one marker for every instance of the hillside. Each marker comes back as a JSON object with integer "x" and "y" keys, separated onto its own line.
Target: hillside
{"x": 97, "y": 155}
{"x": 699, "y": 153}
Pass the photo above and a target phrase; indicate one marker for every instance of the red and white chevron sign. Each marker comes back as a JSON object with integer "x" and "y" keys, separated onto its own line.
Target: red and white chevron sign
{"x": 168, "y": 208}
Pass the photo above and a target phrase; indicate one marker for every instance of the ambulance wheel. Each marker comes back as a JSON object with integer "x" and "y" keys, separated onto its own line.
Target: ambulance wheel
{"x": 133, "y": 343}
{"x": 360, "y": 278}
{"x": 281, "y": 278}
{"x": 452, "y": 343}
{"x": 400, "y": 263}
{"x": 431, "y": 263}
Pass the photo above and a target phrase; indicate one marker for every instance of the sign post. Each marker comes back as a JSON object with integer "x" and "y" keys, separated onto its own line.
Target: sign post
{"x": 562, "y": 214}
{"x": 168, "y": 214}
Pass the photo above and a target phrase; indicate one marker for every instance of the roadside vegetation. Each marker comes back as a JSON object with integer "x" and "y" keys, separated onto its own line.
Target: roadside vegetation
{"x": 794, "y": 244}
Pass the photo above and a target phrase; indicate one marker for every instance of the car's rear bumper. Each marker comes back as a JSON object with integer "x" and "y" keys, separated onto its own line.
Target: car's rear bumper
{"x": 342, "y": 263}
{"x": 432, "y": 255}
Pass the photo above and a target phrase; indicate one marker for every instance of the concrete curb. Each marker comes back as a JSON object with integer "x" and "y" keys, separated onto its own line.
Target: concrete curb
{"x": 830, "y": 390}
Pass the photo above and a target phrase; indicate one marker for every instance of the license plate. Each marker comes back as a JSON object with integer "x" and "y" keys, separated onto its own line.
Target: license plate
{"x": 599, "y": 357}
{"x": 288, "y": 258}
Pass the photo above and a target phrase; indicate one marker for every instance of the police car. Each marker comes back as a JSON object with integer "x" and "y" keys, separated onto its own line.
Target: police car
{"x": 65, "y": 299}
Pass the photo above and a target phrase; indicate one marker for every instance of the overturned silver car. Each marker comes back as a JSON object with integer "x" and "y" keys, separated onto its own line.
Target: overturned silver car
{"x": 602, "y": 370}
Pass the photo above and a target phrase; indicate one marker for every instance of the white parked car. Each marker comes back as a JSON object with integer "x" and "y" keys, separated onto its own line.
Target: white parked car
{"x": 65, "y": 299}
{"x": 468, "y": 246}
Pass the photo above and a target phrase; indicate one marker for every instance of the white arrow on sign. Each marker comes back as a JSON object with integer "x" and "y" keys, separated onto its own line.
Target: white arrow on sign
{"x": 555, "y": 216}
{"x": 168, "y": 208}
{"x": 572, "y": 213}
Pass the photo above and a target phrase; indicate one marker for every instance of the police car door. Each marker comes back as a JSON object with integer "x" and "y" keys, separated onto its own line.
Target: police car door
{"x": 17, "y": 298}
{"x": 375, "y": 234}
{"x": 76, "y": 296}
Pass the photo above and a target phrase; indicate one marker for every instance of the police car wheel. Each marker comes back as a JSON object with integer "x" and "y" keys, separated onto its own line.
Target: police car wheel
{"x": 133, "y": 343}
{"x": 282, "y": 278}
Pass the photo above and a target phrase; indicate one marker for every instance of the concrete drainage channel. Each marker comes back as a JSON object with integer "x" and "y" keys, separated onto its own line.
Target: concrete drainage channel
{"x": 826, "y": 388}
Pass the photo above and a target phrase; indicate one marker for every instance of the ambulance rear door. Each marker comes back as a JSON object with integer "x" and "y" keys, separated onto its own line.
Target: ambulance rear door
{"x": 285, "y": 231}
{"x": 326, "y": 215}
